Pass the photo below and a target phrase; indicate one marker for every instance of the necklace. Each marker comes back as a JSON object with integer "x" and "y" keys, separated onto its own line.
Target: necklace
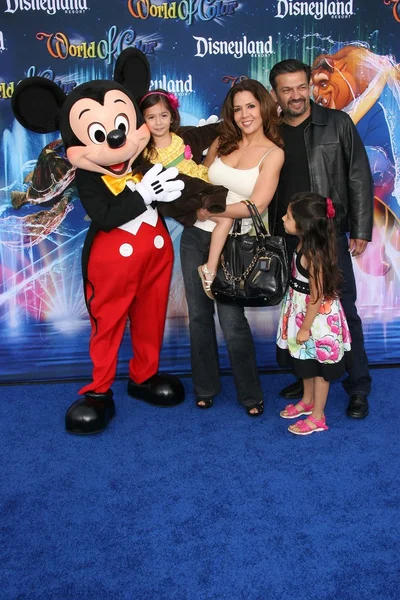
{"x": 247, "y": 147}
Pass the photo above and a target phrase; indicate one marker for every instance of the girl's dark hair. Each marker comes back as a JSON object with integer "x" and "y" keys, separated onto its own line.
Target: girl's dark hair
{"x": 318, "y": 239}
{"x": 230, "y": 134}
{"x": 151, "y": 99}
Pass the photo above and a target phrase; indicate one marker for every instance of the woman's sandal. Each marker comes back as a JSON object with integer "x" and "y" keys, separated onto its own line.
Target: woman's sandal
{"x": 259, "y": 407}
{"x": 291, "y": 411}
{"x": 207, "y": 277}
{"x": 304, "y": 427}
{"x": 207, "y": 402}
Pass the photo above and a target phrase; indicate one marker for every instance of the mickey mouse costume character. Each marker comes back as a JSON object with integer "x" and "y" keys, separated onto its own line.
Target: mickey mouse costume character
{"x": 127, "y": 256}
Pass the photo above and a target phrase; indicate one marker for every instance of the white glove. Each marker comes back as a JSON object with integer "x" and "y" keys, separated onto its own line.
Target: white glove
{"x": 156, "y": 186}
{"x": 211, "y": 119}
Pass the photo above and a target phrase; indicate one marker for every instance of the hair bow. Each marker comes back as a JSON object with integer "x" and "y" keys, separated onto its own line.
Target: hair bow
{"x": 330, "y": 209}
{"x": 173, "y": 100}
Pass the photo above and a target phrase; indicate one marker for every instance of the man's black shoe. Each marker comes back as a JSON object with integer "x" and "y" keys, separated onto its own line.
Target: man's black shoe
{"x": 358, "y": 406}
{"x": 293, "y": 391}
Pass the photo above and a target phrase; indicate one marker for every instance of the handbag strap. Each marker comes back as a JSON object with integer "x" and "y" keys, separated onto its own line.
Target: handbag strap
{"x": 259, "y": 225}
{"x": 237, "y": 227}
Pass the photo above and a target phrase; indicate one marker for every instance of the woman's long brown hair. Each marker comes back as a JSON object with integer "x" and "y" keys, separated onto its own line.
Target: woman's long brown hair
{"x": 230, "y": 134}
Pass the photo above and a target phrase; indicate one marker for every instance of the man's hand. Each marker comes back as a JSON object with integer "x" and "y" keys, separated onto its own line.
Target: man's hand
{"x": 203, "y": 214}
{"x": 357, "y": 247}
{"x": 302, "y": 337}
{"x": 158, "y": 185}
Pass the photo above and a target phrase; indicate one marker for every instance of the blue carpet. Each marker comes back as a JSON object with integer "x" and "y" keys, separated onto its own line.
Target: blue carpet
{"x": 183, "y": 504}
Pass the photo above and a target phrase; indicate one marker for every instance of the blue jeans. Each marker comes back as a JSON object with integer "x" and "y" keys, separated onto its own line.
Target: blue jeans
{"x": 358, "y": 380}
{"x": 195, "y": 244}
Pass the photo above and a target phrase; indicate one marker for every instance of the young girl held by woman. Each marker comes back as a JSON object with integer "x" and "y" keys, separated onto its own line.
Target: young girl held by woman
{"x": 313, "y": 336}
{"x": 160, "y": 111}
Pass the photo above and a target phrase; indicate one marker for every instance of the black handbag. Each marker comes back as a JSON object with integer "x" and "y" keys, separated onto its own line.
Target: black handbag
{"x": 253, "y": 270}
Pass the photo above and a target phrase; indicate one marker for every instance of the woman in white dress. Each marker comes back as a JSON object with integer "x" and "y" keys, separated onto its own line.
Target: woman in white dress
{"x": 247, "y": 159}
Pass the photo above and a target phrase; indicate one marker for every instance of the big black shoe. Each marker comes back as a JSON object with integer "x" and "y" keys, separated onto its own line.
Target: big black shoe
{"x": 91, "y": 414}
{"x": 358, "y": 406}
{"x": 293, "y": 391}
{"x": 160, "y": 390}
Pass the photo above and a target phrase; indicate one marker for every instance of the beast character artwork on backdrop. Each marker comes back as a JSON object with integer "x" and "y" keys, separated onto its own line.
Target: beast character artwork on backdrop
{"x": 127, "y": 256}
{"x": 353, "y": 79}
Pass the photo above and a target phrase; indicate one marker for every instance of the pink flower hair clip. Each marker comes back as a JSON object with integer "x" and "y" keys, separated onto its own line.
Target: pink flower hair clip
{"x": 188, "y": 152}
{"x": 173, "y": 100}
{"x": 330, "y": 209}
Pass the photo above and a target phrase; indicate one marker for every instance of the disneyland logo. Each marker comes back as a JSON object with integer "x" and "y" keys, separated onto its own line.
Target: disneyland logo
{"x": 51, "y": 7}
{"x": 185, "y": 10}
{"x": 237, "y": 49}
{"x": 176, "y": 86}
{"x": 318, "y": 10}
{"x": 2, "y": 47}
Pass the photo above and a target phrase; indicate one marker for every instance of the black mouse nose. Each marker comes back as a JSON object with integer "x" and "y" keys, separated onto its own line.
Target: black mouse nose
{"x": 116, "y": 138}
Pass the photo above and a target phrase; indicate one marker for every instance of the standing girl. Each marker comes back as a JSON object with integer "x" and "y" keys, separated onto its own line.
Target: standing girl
{"x": 313, "y": 336}
{"x": 160, "y": 111}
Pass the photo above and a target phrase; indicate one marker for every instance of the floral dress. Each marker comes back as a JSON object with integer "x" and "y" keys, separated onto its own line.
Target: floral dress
{"x": 327, "y": 352}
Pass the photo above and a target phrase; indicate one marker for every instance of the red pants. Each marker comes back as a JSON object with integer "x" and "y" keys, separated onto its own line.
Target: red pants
{"x": 128, "y": 277}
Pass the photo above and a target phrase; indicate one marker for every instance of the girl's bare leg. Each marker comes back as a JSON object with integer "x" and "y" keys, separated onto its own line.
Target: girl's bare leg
{"x": 315, "y": 393}
{"x": 305, "y": 405}
{"x": 218, "y": 239}
{"x": 208, "y": 271}
{"x": 320, "y": 395}
{"x": 308, "y": 394}
{"x": 321, "y": 390}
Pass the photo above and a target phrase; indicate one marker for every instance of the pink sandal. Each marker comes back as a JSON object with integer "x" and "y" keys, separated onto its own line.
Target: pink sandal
{"x": 291, "y": 411}
{"x": 304, "y": 427}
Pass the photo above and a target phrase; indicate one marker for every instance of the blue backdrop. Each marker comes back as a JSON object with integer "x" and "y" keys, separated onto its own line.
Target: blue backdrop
{"x": 197, "y": 49}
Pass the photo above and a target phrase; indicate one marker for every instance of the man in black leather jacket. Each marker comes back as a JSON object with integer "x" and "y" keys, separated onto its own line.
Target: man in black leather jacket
{"x": 324, "y": 153}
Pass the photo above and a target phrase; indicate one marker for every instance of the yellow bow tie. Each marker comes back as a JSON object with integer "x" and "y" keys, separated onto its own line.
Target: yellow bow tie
{"x": 117, "y": 184}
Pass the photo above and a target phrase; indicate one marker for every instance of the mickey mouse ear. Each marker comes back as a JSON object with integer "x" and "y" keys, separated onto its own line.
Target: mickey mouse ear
{"x": 36, "y": 104}
{"x": 132, "y": 70}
